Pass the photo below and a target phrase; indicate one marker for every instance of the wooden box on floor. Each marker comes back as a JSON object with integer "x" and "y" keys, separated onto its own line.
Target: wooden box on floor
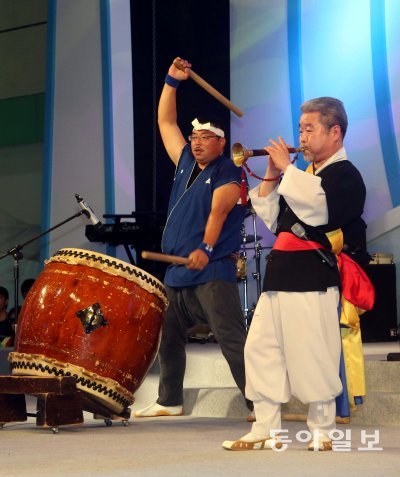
{"x": 58, "y": 401}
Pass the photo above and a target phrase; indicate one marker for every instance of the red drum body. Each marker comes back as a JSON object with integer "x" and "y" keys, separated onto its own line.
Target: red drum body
{"x": 95, "y": 318}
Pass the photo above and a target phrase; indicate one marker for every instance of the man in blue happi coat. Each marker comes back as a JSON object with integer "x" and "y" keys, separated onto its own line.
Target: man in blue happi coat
{"x": 204, "y": 224}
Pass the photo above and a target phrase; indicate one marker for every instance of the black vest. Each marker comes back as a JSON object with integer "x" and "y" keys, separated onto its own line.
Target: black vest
{"x": 304, "y": 270}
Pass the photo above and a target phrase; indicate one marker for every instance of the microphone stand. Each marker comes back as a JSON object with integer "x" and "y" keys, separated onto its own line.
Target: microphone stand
{"x": 16, "y": 253}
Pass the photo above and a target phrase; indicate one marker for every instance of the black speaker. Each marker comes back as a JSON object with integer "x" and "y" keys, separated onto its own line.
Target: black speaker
{"x": 380, "y": 323}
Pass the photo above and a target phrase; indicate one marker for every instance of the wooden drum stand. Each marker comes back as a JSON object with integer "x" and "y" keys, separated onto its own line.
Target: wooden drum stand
{"x": 59, "y": 402}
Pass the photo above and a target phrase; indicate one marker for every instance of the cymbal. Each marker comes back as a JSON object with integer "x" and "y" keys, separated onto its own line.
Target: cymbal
{"x": 250, "y": 238}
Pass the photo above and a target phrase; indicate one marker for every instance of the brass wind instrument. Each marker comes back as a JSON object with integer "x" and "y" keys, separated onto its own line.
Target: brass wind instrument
{"x": 240, "y": 154}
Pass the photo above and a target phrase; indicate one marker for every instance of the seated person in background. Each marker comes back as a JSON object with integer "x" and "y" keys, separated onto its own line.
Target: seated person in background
{"x": 13, "y": 318}
{"x": 26, "y": 286}
{"x": 5, "y": 324}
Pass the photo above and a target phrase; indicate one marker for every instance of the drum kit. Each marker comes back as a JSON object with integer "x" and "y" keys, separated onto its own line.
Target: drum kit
{"x": 242, "y": 263}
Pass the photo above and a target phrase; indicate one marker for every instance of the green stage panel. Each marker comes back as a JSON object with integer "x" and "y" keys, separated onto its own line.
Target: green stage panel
{"x": 22, "y": 120}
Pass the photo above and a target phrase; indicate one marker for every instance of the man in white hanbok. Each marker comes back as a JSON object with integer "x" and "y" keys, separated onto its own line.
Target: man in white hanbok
{"x": 294, "y": 344}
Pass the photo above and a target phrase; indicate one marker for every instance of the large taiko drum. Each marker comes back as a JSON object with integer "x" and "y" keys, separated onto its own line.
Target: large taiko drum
{"x": 92, "y": 317}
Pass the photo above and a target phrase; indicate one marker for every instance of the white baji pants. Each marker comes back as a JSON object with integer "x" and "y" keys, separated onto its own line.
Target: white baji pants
{"x": 293, "y": 348}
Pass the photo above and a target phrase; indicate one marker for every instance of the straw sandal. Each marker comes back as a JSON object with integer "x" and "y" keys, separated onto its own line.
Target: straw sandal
{"x": 239, "y": 445}
{"x": 322, "y": 446}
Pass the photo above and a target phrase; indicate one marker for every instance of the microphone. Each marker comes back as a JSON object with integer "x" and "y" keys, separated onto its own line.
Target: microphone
{"x": 87, "y": 210}
{"x": 299, "y": 231}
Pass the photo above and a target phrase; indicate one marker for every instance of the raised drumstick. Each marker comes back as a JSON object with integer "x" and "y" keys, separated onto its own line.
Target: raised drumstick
{"x": 210, "y": 89}
{"x": 162, "y": 257}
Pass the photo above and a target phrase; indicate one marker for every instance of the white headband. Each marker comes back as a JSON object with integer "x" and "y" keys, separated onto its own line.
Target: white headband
{"x": 197, "y": 126}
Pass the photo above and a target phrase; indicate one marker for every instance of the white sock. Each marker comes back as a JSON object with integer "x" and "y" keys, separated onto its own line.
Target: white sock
{"x": 251, "y": 437}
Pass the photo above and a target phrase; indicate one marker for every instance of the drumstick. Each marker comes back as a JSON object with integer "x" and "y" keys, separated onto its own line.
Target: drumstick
{"x": 210, "y": 89}
{"x": 162, "y": 257}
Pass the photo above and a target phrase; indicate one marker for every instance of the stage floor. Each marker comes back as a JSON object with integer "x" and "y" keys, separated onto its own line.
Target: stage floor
{"x": 185, "y": 446}
{"x": 191, "y": 445}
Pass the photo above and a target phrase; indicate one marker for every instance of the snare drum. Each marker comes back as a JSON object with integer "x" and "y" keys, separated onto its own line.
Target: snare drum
{"x": 93, "y": 317}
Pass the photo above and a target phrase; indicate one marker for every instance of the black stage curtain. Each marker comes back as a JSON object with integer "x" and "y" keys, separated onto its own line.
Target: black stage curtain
{"x": 161, "y": 31}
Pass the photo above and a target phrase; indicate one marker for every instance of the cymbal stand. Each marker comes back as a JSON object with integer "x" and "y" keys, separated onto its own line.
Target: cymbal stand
{"x": 257, "y": 255}
{"x": 246, "y": 303}
{"x": 244, "y": 281}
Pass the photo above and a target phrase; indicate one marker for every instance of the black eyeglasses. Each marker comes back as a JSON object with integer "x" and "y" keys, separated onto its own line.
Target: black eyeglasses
{"x": 201, "y": 138}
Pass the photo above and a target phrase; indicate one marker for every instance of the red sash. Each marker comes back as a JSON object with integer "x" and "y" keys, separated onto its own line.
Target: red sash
{"x": 288, "y": 242}
{"x": 356, "y": 286}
